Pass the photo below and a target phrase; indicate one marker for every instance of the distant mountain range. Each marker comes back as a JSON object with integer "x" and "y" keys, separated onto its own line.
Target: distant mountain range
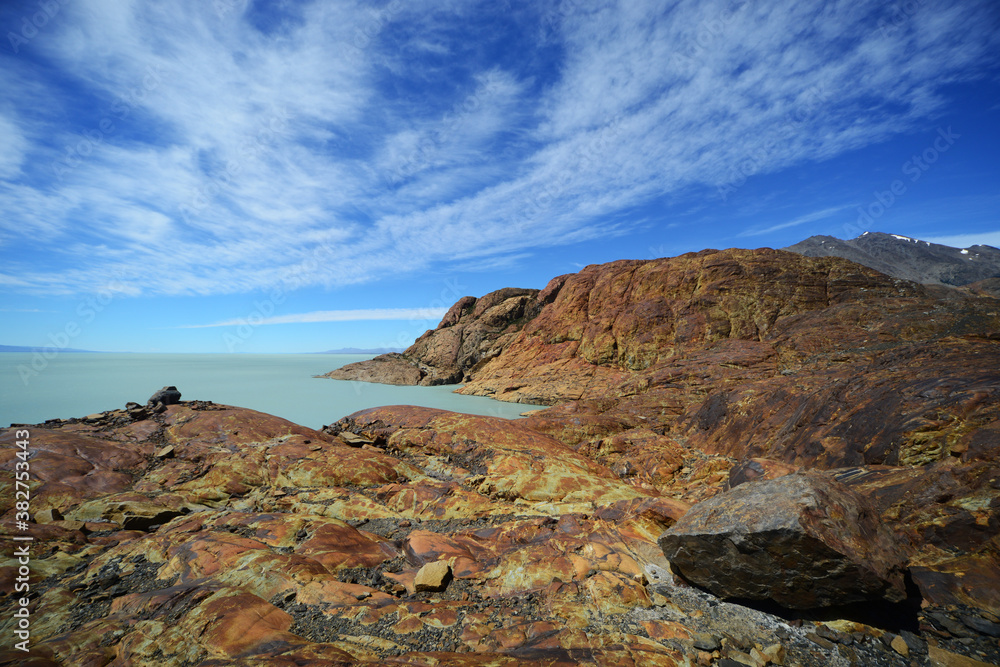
{"x": 909, "y": 258}
{"x": 26, "y": 349}
{"x": 358, "y": 350}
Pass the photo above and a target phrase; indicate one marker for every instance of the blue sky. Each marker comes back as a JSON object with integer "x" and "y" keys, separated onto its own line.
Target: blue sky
{"x": 227, "y": 175}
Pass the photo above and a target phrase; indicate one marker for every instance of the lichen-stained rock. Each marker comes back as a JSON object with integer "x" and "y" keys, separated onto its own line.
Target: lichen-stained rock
{"x": 803, "y": 540}
{"x": 67, "y": 467}
{"x": 815, "y": 362}
{"x": 227, "y": 427}
{"x": 280, "y": 545}
{"x": 947, "y": 515}
{"x": 505, "y": 460}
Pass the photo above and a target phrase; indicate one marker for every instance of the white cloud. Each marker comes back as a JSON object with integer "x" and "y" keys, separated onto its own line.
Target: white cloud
{"x": 15, "y": 145}
{"x": 216, "y": 158}
{"x": 337, "y": 316}
{"x": 810, "y": 217}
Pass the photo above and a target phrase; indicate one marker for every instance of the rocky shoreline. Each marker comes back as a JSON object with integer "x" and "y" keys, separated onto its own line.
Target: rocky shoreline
{"x": 751, "y": 458}
{"x": 202, "y": 534}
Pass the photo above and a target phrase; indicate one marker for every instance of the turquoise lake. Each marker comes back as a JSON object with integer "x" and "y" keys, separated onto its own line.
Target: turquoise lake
{"x": 78, "y": 384}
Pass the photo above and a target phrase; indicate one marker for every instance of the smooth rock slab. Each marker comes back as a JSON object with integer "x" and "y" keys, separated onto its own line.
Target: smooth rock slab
{"x": 804, "y": 541}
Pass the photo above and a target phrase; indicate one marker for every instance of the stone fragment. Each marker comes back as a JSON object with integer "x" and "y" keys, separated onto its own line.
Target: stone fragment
{"x": 433, "y": 577}
{"x": 775, "y": 653}
{"x": 834, "y": 635}
{"x": 981, "y": 625}
{"x": 71, "y": 525}
{"x": 48, "y": 516}
{"x": 353, "y": 440}
{"x": 898, "y": 645}
{"x": 803, "y": 540}
{"x": 166, "y": 452}
{"x": 706, "y": 642}
{"x": 729, "y": 662}
{"x": 820, "y": 641}
{"x": 743, "y": 658}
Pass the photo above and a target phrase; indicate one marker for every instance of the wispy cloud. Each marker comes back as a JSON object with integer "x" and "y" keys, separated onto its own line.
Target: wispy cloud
{"x": 203, "y": 151}
{"x": 335, "y": 316}
{"x": 811, "y": 217}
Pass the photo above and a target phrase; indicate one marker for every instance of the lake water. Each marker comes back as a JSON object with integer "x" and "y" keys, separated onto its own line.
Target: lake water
{"x": 79, "y": 384}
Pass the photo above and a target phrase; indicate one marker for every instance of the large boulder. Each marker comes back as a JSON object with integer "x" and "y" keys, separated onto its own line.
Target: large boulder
{"x": 803, "y": 540}
{"x": 166, "y": 396}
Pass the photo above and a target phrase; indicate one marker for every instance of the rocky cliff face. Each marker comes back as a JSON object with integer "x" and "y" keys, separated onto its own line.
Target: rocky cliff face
{"x": 472, "y": 330}
{"x": 813, "y": 361}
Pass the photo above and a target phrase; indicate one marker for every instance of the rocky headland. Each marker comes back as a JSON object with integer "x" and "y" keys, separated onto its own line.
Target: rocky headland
{"x": 750, "y": 458}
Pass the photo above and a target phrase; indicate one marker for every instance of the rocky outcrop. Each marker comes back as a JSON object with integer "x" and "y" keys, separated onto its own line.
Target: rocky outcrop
{"x": 391, "y": 368}
{"x": 209, "y": 535}
{"x": 805, "y": 363}
{"x": 802, "y": 540}
{"x": 399, "y": 535}
{"x": 471, "y": 331}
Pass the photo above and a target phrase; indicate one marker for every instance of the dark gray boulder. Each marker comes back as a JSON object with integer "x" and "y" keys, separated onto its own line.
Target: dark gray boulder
{"x": 803, "y": 540}
{"x": 166, "y": 396}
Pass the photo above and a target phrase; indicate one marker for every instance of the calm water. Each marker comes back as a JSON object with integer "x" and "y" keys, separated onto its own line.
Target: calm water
{"x": 75, "y": 385}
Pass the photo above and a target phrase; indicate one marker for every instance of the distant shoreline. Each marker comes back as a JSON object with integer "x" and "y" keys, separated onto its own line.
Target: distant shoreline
{"x": 48, "y": 348}
{"x": 22, "y": 349}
